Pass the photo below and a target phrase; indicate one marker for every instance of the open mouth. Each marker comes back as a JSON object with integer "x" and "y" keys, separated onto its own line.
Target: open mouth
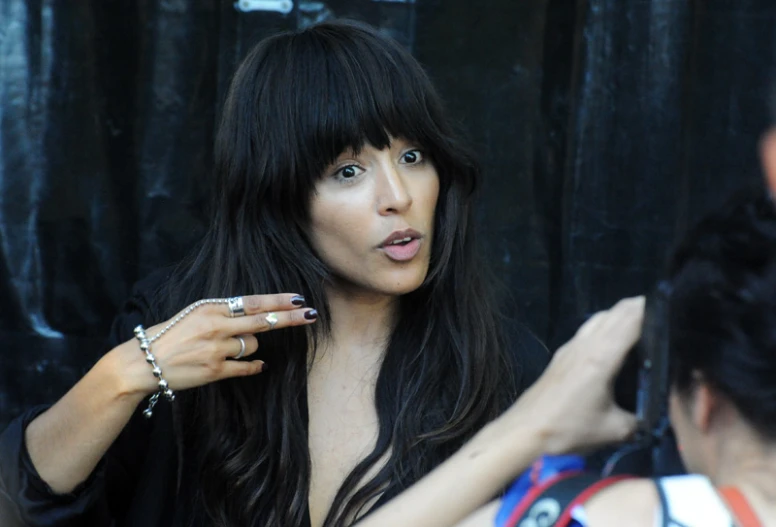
{"x": 402, "y": 246}
{"x": 402, "y": 250}
{"x": 403, "y": 241}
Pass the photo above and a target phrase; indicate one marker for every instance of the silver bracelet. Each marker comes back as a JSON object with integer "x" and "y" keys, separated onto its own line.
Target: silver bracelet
{"x": 145, "y": 346}
{"x": 164, "y": 389}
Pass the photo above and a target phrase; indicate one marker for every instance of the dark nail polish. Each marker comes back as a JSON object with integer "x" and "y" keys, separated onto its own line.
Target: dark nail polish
{"x": 264, "y": 367}
{"x": 311, "y": 315}
{"x": 298, "y": 300}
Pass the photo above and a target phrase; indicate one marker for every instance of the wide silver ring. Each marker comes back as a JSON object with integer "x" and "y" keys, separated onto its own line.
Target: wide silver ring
{"x": 236, "y": 308}
{"x": 271, "y": 319}
{"x": 242, "y": 348}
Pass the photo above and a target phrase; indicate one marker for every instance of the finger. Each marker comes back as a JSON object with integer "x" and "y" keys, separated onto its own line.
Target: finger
{"x": 586, "y": 328}
{"x": 273, "y": 320}
{"x": 626, "y": 309}
{"x": 621, "y": 331}
{"x": 254, "y": 304}
{"x": 615, "y": 332}
{"x": 592, "y": 323}
{"x": 586, "y": 331}
{"x": 606, "y": 317}
{"x": 234, "y": 347}
{"x": 239, "y": 368}
{"x": 616, "y": 427}
{"x": 620, "y": 425}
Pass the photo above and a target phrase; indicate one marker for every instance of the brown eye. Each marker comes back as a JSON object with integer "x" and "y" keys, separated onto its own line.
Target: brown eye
{"x": 412, "y": 157}
{"x": 348, "y": 173}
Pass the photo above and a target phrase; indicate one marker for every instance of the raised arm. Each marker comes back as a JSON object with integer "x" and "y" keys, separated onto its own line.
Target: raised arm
{"x": 66, "y": 442}
{"x": 570, "y": 408}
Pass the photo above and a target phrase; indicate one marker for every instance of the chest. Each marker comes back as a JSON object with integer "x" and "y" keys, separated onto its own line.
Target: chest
{"x": 343, "y": 428}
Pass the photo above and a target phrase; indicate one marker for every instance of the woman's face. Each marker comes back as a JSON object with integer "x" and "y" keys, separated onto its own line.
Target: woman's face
{"x": 372, "y": 218}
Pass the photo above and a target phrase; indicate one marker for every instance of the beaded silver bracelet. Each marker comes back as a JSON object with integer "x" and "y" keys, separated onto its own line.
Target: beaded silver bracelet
{"x": 164, "y": 389}
{"x": 145, "y": 347}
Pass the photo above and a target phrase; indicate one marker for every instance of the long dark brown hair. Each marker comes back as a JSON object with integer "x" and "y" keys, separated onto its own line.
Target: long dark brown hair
{"x": 298, "y": 100}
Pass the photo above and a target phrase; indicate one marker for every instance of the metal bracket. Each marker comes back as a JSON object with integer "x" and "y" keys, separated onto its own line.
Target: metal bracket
{"x": 278, "y": 6}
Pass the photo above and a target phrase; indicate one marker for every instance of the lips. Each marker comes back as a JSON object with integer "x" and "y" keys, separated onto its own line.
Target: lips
{"x": 402, "y": 246}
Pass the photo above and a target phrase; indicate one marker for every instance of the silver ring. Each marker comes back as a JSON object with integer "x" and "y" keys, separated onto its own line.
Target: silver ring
{"x": 271, "y": 319}
{"x": 236, "y": 308}
{"x": 242, "y": 348}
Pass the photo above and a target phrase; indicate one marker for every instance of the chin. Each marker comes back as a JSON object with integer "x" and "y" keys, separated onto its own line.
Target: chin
{"x": 398, "y": 282}
{"x": 395, "y": 281}
{"x": 405, "y": 290}
{"x": 401, "y": 283}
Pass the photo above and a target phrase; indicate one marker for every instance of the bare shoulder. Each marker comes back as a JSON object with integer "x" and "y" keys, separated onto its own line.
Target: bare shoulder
{"x": 631, "y": 503}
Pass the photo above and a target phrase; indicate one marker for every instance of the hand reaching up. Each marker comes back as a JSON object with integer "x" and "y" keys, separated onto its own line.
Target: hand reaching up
{"x": 573, "y": 401}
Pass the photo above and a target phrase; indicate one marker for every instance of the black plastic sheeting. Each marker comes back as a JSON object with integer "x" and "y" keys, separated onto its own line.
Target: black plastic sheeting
{"x": 605, "y": 127}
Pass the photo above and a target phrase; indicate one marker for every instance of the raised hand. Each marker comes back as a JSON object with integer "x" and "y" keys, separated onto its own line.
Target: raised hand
{"x": 573, "y": 401}
{"x": 196, "y": 347}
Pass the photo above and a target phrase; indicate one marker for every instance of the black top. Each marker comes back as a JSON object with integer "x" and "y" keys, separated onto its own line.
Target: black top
{"x": 134, "y": 485}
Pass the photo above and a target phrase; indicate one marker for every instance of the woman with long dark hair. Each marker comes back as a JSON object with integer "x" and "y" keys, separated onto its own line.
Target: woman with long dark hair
{"x": 343, "y": 210}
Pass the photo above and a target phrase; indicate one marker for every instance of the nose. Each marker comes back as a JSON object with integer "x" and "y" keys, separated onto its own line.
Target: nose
{"x": 393, "y": 193}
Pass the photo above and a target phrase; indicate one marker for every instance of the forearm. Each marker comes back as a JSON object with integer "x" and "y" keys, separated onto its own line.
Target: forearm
{"x": 67, "y": 441}
{"x": 570, "y": 408}
{"x": 463, "y": 483}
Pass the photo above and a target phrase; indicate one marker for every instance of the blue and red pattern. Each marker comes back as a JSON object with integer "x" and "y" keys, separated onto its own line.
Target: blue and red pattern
{"x": 544, "y": 470}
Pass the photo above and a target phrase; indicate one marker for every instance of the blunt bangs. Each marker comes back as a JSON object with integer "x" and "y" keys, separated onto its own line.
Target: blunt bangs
{"x": 345, "y": 86}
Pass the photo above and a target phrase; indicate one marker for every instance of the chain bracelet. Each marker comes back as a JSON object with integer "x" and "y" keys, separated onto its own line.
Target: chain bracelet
{"x": 183, "y": 314}
{"x": 145, "y": 347}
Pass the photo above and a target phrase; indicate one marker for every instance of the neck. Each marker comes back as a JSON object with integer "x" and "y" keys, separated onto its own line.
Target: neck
{"x": 361, "y": 323}
{"x": 747, "y": 461}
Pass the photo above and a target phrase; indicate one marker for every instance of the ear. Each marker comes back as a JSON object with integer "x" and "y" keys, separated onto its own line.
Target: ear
{"x": 705, "y": 407}
{"x": 768, "y": 157}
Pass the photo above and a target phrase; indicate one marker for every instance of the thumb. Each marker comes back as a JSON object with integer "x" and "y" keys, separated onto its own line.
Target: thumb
{"x": 619, "y": 425}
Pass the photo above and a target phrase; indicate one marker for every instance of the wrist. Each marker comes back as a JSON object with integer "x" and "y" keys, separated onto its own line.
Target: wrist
{"x": 126, "y": 373}
{"x": 509, "y": 446}
{"x": 529, "y": 426}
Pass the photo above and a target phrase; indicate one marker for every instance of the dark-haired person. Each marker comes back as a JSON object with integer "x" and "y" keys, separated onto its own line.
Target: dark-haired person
{"x": 721, "y": 323}
{"x": 343, "y": 212}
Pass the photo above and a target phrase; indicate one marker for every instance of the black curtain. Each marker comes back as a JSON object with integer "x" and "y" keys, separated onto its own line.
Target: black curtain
{"x": 605, "y": 128}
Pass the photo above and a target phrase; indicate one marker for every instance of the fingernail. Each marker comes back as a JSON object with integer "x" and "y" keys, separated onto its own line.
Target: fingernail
{"x": 311, "y": 315}
{"x": 298, "y": 300}
{"x": 264, "y": 367}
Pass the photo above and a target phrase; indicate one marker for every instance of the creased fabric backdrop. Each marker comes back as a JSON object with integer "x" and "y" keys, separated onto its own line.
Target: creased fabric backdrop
{"x": 605, "y": 127}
